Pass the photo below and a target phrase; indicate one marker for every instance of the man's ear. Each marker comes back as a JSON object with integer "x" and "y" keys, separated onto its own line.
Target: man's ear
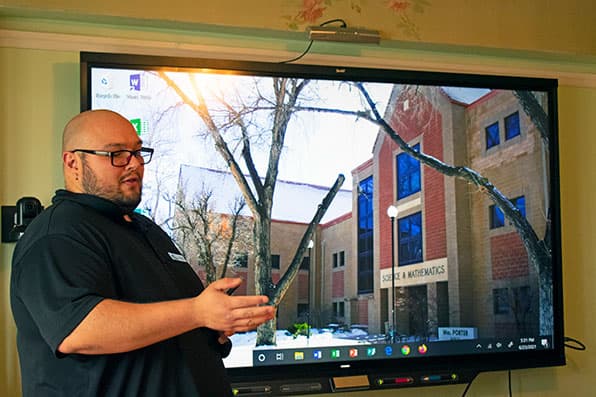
{"x": 71, "y": 165}
{"x": 70, "y": 161}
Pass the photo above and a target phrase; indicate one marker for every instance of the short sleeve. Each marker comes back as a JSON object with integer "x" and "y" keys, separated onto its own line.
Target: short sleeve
{"x": 59, "y": 280}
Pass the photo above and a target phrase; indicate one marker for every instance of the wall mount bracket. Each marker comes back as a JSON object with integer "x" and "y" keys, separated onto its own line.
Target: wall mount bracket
{"x": 345, "y": 35}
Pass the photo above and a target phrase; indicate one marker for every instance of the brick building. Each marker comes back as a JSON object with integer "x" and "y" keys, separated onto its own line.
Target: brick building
{"x": 451, "y": 243}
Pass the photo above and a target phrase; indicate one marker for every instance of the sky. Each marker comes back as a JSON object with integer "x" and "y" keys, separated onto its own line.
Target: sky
{"x": 317, "y": 147}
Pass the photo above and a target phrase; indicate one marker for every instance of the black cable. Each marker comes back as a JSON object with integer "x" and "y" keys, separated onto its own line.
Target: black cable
{"x": 329, "y": 22}
{"x": 343, "y": 25}
{"x": 468, "y": 386}
{"x": 301, "y": 55}
{"x": 573, "y": 343}
{"x": 569, "y": 342}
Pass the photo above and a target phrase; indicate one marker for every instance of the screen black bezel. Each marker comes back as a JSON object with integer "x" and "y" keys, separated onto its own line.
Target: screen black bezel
{"x": 467, "y": 365}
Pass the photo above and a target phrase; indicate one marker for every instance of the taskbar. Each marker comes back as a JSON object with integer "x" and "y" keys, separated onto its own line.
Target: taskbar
{"x": 375, "y": 351}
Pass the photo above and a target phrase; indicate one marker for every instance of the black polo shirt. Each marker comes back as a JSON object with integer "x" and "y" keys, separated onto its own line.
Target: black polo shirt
{"x": 78, "y": 252}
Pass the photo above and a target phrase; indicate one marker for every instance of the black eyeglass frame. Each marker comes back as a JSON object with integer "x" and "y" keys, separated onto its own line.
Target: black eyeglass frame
{"x": 139, "y": 154}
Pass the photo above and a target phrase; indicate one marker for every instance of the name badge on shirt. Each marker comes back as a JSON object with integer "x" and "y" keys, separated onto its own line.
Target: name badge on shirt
{"x": 177, "y": 257}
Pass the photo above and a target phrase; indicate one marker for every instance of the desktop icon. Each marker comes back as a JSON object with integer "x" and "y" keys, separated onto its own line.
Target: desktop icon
{"x": 422, "y": 349}
{"x": 405, "y": 350}
{"x": 135, "y": 82}
{"x": 141, "y": 126}
{"x": 106, "y": 81}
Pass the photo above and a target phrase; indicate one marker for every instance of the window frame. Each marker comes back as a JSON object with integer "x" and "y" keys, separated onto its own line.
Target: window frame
{"x": 305, "y": 263}
{"x": 365, "y": 237}
{"x": 501, "y": 305}
{"x": 275, "y": 258}
{"x": 413, "y": 178}
{"x": 401, "y": 223}
{"x": 489, "y": 144}
{"x": 512, "y": 116}
{"x": 495, "y": 213}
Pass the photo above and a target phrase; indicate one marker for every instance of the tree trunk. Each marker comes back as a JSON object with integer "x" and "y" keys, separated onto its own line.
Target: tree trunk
{"x": 263, "y": 282}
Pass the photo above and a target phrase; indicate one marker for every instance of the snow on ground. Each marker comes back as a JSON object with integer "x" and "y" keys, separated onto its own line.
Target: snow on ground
{"x": 244, "y": 343}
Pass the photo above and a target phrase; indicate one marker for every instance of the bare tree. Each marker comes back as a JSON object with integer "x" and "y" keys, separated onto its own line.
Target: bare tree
{"x": 538, "y": 250}
{"x": 162, "y": 178}
{"x": 258, "y": 193}
{"x": 207, "y": 235}
{"x": 282, "y": 105}
{"x": 534, "y": 109}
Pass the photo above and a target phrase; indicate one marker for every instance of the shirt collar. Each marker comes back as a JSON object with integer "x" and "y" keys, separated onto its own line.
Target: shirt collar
{"x": 102, "y": 205}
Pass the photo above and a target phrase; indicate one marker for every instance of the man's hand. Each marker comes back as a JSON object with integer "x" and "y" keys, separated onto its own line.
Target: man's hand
{"x": 115, "y": 326}
{"x": 230, "y": 314}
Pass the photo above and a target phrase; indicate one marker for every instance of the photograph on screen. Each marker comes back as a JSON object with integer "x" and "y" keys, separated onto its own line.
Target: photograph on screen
{"x": 382, "y": 219}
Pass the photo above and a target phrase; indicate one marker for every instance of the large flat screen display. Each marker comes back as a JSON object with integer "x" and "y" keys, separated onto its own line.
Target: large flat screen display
{"x": 405, "y": 224}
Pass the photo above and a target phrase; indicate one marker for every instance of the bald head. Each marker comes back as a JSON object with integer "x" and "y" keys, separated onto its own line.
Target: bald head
{"x": 88, "y": 127}
{"x": 86, "y": 143}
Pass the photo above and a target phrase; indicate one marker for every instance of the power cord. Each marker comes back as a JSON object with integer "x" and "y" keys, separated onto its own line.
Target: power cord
{"x": 573, "y": 343}
{"x": 301, "y": 55}
{"x": 342, "y": 24}
{"x": 470, "y": 384}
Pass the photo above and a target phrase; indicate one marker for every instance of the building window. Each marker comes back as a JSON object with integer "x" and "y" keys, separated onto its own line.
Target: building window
{"x": 302, "y": 311}
{"x": 517, "y": 301}
{"x": 275, "y": 260}
{"x": 365, "y": 236}
{"x": 339, "y": 309}
{"x": 522, "y": 300}
{"x": 338, "y": 259}
{"x": 408, "y": 174}
{"x": 496, "y": 216}
{"x": 492, "y": 135}
{"x": 520, "y": 204}
{"x": 240, "y": 259}
{"x": 500, "y": 301}
{"x": 512, "y": 126}
{"x": 305, "y": 264}
{"x": 410, "y": 239}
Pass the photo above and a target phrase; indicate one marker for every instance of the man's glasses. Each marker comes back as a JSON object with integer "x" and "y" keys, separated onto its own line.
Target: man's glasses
{"x": 121, "y": 158}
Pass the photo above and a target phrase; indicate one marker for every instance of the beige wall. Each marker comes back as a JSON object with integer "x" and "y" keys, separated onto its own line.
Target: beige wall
{"x": 531, "y": 24}
{"x": 39, "y": 92}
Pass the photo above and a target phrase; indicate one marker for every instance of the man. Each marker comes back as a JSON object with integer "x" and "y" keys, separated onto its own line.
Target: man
{"x": 105, "y": 304}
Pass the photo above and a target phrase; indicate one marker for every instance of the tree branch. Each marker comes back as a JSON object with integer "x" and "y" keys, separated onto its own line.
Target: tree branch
{"x": 286, "y": 280}
{"x": 220, "y": 144}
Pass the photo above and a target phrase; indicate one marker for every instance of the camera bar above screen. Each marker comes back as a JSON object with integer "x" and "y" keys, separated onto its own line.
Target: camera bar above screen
{"x": 405, "y": 224}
